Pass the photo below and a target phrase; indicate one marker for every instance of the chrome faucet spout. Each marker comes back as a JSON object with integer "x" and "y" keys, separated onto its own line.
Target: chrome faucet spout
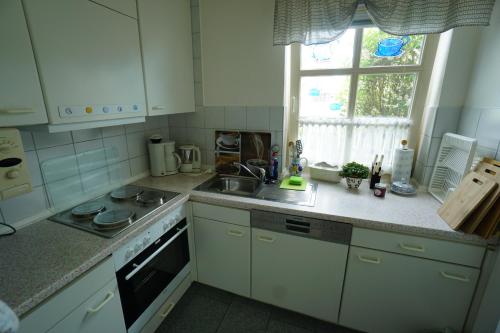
{"x": 262, "y": 171}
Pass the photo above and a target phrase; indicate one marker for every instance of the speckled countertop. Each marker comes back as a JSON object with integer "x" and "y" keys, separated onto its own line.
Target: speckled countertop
{"x": 41, "y": 259}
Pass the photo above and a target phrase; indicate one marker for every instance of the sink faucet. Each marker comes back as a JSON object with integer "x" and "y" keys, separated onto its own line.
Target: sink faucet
{"x": 262, "y": 171}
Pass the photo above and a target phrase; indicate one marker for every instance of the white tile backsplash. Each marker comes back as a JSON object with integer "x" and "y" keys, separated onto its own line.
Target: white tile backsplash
{"x": 214, "y": 117}
{"x": 488, "y": 129}
{"x": 276, "y": 118}
{"x": 139, "y": 165}
{"x": 46, "y": 140}
{"x": 258, "y": 118}
{"x": 195, "y": 119}
{"x": 118, "y": 144}
{"x": 34, "y": 168}
{"x": 24, "y": 206}
{"x": 87, "y": 134}
{"x": 105, "y": 159}
{"x": 136, "y": 144}
{"x": 235, "y": 117}
{"x": 27, "y": 139}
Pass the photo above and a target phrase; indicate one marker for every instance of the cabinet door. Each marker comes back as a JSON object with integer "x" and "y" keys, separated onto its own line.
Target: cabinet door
{"x": 88, "y": 55}
{"x": 386, "y": 292}
{"x": 167, "y": 55}
{"x": 21, "y": 100}
{"x": 100, "y": 313}
{"x": 223, "y": 255}
{"x": 127, "y": 7}
{"x": 298, "y": 273}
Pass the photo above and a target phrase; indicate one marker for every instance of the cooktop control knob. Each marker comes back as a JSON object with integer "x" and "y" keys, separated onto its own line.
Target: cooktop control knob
{"x": 146, "y": 241}
{"x": 13, "y": 174}
{"x": 165, "y": 226}
{"x": 129, "y": 253}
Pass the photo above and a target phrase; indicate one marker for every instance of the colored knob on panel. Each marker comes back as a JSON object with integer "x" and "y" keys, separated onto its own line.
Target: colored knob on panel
{"x": 129, "y": 253}
{"x": 105, "y": 109}
{"x": 88, "y": 109}
{"x": 68, "y": 111}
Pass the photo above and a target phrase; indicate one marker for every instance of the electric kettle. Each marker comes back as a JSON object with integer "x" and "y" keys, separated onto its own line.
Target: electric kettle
{"x": 162, "y": 157}
{"x": 190, "y": 158}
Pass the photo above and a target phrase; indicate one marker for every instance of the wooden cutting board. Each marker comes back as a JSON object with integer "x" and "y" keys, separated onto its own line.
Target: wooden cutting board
{"x": 492, "y": 172}
{"x": 490, "y": 222}
{"x": 469, "y": 194}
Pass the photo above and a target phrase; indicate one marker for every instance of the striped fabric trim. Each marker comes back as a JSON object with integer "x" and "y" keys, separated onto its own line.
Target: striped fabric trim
{"x": 322, "y": 21}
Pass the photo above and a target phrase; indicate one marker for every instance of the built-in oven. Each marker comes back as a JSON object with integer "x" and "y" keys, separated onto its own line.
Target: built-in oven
{"x": 146, "y": 280}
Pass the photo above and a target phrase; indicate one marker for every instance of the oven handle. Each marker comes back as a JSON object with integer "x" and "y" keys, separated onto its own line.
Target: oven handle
{"x": 152, "y": 256}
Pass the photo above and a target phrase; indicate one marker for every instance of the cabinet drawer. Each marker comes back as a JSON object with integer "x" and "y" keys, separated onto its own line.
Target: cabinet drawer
{"x": 442, "y": 250}
{"x": 49, "y": 313}
{"x": 167, "y": 307}
{"x": 100, "y": 313}
{"x": 224, "y": 214}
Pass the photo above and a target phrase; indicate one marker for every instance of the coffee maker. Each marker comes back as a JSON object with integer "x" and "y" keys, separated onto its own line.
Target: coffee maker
{"x": 162, "y": 157}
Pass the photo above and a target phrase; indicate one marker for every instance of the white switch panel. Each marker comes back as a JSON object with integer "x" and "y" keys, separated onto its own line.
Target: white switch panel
{"x": 14, "y": 176}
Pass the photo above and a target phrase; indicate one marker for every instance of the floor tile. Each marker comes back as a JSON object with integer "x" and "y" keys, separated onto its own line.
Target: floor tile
{"x": 280, "y": 327}
{"x": 199, "y": 314}
{"x": 244, "y": 317}
{"x": 217, "y": 294}
{"x": 293, "y": 318}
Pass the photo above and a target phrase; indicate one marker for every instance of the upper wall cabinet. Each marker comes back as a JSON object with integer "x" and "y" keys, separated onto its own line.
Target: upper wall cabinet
{"x": 165, "y": 27}
{"x": 89, "y": 60}
{"x": 127, "y": 7}
{"x": 239, "y": 62}
{"x": 21, "y": 100}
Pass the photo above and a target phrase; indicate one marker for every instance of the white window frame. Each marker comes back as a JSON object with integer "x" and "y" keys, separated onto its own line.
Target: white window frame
{"x": 422, "y": 70}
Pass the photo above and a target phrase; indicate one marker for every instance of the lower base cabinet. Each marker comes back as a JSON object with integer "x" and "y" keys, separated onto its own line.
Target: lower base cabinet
{"x": 100, "y": 313}
{"x": 297, "y": 273}
{"x": 223, "y": 255}
{"x": 393, "y": 293}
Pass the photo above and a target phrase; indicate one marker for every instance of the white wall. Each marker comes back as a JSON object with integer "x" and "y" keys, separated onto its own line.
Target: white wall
{"x": 129, "y": 140}
{"x": 481, "y": 114}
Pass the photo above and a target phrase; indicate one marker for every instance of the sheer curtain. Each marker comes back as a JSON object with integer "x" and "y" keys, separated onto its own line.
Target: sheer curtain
{"x": 322, "y": 21}
{"x": 338, "y": 141}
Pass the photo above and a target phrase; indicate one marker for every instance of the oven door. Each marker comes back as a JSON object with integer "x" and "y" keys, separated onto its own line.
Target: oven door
{"x": 145, "y": 277}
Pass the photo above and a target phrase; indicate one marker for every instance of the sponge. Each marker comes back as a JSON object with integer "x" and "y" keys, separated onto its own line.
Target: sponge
{"x": 295, "y": 180}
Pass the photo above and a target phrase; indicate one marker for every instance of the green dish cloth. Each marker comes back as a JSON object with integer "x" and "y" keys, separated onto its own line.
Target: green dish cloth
{"x": 295, "y": 180}
{"x": 285, "y": 184}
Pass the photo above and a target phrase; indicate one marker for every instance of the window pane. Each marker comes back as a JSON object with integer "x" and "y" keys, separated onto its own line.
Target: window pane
{"x": 372, "y": 52}
{"x": 385, "y": 95}
{"x": 337, "y": 54}
{"x": 324, "y": 96}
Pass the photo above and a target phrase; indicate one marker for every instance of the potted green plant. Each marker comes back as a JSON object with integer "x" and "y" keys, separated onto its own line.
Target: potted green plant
{"x": 354, "y": 173}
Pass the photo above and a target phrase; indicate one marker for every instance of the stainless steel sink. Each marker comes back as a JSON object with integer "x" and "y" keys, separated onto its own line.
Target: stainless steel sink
{"x": 254, "y": 188}
{"x": 242, "y": 186}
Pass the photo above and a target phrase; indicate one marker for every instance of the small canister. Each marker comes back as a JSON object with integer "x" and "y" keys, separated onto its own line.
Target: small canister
{"x": 380, "y": 189}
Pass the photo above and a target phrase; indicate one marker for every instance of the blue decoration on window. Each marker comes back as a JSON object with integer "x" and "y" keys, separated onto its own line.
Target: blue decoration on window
{"x": 314, "y": 92}
{"x": 336, "y": 106}
{"x": 391, "y": 47}
{"x": 322, "y": 52}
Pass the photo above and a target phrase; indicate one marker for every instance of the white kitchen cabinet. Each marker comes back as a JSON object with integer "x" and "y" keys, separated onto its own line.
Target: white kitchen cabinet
{"x": 298, "y": 273}
{"x": 165, "y": 27}
{"x": 223, "y": 255}
{"x": 89, "y": 61}
{"x": 21, "y": 100}
{"x": 67, "y": 309}
{"x": 387, "y": 292}
{"x": 240, "y": 65}
{"x": 100, "y": 313}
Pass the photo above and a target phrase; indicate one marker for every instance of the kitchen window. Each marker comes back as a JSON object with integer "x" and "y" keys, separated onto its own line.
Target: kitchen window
{"x": 351, "y": 101}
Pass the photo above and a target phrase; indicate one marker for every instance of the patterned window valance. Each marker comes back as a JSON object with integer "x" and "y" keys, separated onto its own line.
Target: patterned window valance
{"x": 321, "y": 21}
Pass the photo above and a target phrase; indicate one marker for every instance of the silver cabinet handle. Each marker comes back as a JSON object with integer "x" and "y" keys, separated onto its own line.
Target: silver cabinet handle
{"x": 456, "y": 277}
{"x": 169, "y": 308}
{"x": 151, "y": 257}
{"x": 266, "y": 239}
{"x": 235, "y": 233}
{"x": 415, "y": 248}
{"x": 17, "y": 111}
{"x": 108, "y": 298}
{"x": 159, "y": 107}
{"x": 369, "y": 260}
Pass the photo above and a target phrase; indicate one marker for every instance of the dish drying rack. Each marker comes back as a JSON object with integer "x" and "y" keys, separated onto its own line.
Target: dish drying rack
{"x": 454, "y": 160}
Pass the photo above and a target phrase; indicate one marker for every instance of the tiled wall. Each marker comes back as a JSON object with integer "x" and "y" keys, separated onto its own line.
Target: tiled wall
{"x": 129, "y": 141}
{"x": 483, "y": 124}
{"x": 199, "y": 127}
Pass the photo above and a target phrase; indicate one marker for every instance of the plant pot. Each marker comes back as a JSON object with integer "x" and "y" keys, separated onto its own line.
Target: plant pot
{"x": 353, "y": 182}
